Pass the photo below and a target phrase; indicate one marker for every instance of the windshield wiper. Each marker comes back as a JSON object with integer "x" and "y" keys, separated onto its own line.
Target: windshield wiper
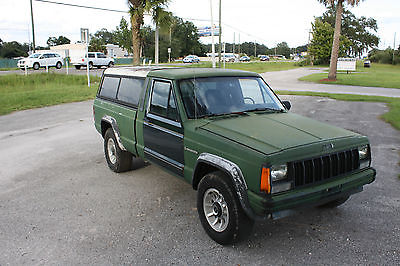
{"x": 227, "y": 114}
{"x": 261, "y": 109}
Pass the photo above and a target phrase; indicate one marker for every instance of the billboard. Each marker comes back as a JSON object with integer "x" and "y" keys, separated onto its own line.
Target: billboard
{"x": 206, "y": 31}
{"x": 347, "y": 64}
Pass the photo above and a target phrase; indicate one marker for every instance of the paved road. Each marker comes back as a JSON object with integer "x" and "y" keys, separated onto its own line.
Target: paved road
{"x": 288, "y": 80}
{"x": 60, "y": 204}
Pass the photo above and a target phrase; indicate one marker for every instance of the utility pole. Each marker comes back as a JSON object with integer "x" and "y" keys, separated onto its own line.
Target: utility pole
{"x": 239, "y": 44}
{"x": 308, "y": 47}
{"x": 170, "y": 44}
{"x": 33, "y": 30}
{"x": 394, "y": 46}
{"x": 255, "y": 48}
{"x": 220, "y": 36}
{"x": 233, "y": 47}
{"x": 156, "y": 52}
{"x": 212, "y": 38}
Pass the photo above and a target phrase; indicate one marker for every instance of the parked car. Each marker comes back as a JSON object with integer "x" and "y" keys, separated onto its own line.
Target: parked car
{"x": 229, "y": 58}
{"x": 367, "y": 63}
{"x": 264, "y": 58}
{"x": 191, "y": 59}
{"x": 228, "y": 134}
{"x": 38, "y": 60}
{"x": 244, "y": 58}
{"x": 96, "y": 59}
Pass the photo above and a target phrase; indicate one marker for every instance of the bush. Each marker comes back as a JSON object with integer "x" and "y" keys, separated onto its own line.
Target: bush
{"x": 384, "y": 56}
{"x": 303, "y": 62}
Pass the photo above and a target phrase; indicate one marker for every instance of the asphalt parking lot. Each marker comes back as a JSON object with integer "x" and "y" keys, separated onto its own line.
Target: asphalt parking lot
{"x": 60, "y": 204}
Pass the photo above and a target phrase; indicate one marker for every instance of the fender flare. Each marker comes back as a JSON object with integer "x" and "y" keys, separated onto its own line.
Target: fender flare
{"x": 111, "y": 120}
{"x": 236, "y": 175}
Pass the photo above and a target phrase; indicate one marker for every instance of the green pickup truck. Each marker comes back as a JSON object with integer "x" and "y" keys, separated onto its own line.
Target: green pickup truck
{"x": 229, "y": 135}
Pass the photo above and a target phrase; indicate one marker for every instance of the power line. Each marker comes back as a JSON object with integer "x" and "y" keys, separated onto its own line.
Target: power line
{"x": 89, "y": 7}
{"x": 121, "y": 11}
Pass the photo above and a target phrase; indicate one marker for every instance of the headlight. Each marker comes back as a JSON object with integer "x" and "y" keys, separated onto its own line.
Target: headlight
{"x": 275, "y": 179}
{"x": 278, "y": 172}
{"x": 364, "y": 156}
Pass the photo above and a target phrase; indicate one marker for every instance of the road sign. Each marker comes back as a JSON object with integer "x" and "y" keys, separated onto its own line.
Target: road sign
{"x": 206, "y": 31}
{"x": 84, "y": 35}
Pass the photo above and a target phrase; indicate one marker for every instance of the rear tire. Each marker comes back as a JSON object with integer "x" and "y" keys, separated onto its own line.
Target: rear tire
{"x": 220, "y": 211}
{"x": 58, "y": 65}
{"x": 78, "y": 67}
{"x": 111, "y": 64}
{"x": 117, "y": 159}
{"x": 335, "y": 203}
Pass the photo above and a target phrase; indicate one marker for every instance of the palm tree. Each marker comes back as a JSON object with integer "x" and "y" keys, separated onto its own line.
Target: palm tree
{"x": 336, "y": 36}
{"x": 161, "y": 18}
{"x": 137, "y": 9}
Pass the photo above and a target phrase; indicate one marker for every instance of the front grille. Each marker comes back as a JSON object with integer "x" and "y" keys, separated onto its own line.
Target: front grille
{"x": 321, "y": 168}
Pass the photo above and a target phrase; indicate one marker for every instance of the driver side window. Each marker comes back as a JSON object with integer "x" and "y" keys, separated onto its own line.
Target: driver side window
{"x": 163, "y": 101}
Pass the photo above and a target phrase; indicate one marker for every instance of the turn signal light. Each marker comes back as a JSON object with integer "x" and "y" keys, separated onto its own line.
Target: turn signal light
{"x": 265, "y": 184}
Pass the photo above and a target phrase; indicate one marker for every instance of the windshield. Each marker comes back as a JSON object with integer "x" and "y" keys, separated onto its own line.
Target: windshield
{"x": 225, "y": 95}
{"x": 34, "y": 55}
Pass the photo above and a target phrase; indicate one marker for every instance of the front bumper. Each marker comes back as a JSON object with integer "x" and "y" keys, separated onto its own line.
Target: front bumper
{"x": 27, "y": 64}
{"x": 283, "y": 204}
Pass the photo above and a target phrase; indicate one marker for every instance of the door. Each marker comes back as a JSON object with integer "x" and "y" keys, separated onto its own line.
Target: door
{"x": 162, "y": 129}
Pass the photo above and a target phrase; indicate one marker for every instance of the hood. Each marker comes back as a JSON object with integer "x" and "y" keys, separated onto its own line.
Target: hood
{"x": 268, "y": 133}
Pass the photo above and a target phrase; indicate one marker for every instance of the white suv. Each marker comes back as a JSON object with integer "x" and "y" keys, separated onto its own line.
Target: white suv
{"x": 95, "y": 59}
{"x": 38, "y": 60}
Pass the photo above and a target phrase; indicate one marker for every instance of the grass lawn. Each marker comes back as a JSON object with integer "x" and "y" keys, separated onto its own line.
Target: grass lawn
{"x": 19, "y": 92}
{"x": 8, "y": 68}
{"x": 392, "y": 117}
{"x": 378, "y": 75}
{"x": 259, "y": 67}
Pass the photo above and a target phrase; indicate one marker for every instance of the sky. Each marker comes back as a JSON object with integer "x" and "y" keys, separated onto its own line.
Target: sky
{"x": 267, "y": 22}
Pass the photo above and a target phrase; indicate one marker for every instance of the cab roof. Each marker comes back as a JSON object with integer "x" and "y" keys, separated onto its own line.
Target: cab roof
{"x": 177, "y": 72}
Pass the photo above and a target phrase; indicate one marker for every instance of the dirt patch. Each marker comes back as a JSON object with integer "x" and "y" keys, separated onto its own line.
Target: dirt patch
{"x": 327, "y": 80}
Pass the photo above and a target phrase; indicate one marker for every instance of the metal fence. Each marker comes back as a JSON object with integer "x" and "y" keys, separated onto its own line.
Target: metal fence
{"x": 123, "y": 61}
{"x": 8, "y": 63}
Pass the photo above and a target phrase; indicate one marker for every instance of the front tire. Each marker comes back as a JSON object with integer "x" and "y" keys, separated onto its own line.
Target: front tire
{"x": 58, "y": 65}
{"x": 220, "y": 211}
{"x": 117, "y": 159}
{"x": 36, "y": 66}
{"x": 78, "y": 67}
{"x": 111, "y": 64}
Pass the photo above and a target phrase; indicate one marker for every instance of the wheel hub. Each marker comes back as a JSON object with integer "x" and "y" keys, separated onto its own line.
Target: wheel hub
{"x": 111, "y": 151}
{"x": 215, "y": 210}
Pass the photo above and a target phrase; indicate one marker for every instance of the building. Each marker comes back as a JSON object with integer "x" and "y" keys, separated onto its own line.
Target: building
{"x": 114, "y": 50}
{"x": 70, "y": 50}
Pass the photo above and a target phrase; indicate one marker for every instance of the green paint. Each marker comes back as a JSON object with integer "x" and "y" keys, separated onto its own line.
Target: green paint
{"x": 250, "y": 140}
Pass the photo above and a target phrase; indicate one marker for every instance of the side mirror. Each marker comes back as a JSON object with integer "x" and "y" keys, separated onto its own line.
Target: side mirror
{"x": 287, "y": 105}
{"x": 41, "y": 57}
